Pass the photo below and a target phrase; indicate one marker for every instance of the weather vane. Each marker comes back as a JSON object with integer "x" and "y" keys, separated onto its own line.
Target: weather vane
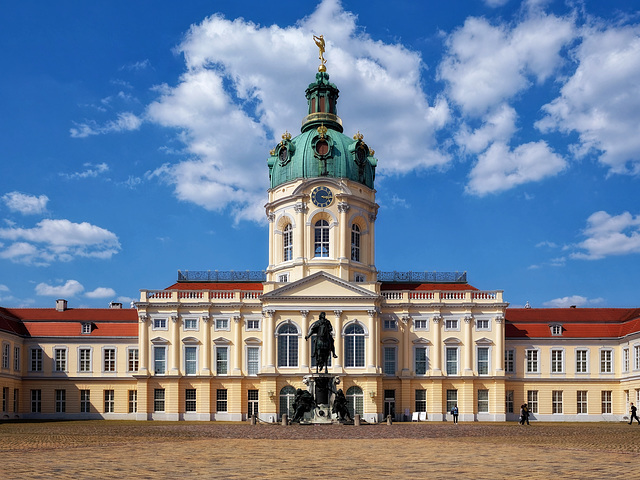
{"x": 320, "y": 43}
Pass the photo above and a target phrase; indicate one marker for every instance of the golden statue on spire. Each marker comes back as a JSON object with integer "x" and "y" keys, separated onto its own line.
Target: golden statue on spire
{"x": 320, "y": 43}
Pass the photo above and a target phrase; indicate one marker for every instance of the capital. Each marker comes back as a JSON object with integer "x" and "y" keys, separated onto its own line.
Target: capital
{"x": 343, "y": 207}
{"x": 300, "y": 207}
{"x": 437, "y": 319}
{"x": 205, "y": 318}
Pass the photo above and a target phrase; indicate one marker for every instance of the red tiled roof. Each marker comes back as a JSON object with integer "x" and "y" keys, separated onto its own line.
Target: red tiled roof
{"x": 49, "y": 322}
{"x": 576, "y": 322}
{"x": 10, "y": 323}
{"x": 215, "y": 286}
{"x": 426, "y": 286}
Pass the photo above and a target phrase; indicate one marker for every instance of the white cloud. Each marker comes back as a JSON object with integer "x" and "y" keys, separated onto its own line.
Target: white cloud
{"x": 101, "y": 292}
{"x": 126, "y": 121}
{"x": 495, "y": 3}
{"x": 3, "y": 288}
{"x": 500, "y": 168}
{"x": 231, "y": 105}
{"x": 601, "y": 100}
{"x": 498, "y": 126}
{"x": 69, "y": 289}
{"x": 610, "y": 235}
{"x": 577, "y": 300}
{"x": 91, "y": 171}
{"x": 26, "y": 204}
{"x": 58, "y": 240}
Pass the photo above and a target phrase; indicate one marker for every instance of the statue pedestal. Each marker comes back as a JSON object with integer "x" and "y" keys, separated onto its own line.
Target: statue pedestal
{"x": 323, "y": 387}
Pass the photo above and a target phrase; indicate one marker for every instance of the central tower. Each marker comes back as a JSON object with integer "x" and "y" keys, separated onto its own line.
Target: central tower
{"x": 321, "y": 206}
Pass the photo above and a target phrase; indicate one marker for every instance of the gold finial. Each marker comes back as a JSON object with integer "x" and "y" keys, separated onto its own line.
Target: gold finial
{"x": 322, "y": 130}
{"x": 286, "y": 136}
{"x": 358, "y": 136}
{"x": 272, "y": 152}
{"x": 320, "y": 43}
{"x": 372, "y": 152}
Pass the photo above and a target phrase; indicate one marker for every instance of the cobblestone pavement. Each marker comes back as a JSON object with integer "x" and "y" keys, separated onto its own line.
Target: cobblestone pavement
{"x": 107, "y": 449}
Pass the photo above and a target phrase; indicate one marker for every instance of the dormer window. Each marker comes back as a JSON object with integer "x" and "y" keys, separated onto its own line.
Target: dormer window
{"x": 86, "y": 328}
{"x": 556, "y": 329}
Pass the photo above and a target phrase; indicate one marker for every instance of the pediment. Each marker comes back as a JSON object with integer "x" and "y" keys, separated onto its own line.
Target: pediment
{"x": 484, "y": 341}
{"x": 320, "y": 285}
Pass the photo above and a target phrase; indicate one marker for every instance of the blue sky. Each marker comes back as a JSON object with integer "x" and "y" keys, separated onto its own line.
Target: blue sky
{"x": 135, "y": 137}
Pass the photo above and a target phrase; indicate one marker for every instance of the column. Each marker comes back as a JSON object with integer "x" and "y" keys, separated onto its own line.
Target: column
{"x": 372, "y": 238}
{"x": 304, "y": 348}
{"x": 499, "y": 355}
{"x": 269, "y": 340}
{"x": 372, "y": 345}
{"x": 298, "y": 235}
{"x": 468, "y": 345}
{"x": 237, "y": 340}
{"x": 345, "y": 237}
{"x": 175, "y": 341}
{"x": 406, "y": 348}
{"x": 437, "y": 346}
{"x": 143, "y": 344}
{"x": 206, "y": 345}
{"x": 271, "y": 218}
{"x": 337, "y": 330}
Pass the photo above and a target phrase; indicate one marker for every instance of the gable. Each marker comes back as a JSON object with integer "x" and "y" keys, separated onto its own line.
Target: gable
{"x": 320, "y": 285}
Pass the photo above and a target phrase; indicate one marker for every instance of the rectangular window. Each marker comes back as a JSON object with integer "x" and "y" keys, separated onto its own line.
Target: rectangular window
{"x": 532, "y": 400}
{"x": 606, "y": 401}
{"x": 109, "y": 359}
{"x": 421, "y": 360}
{"x": 60, "y": 359}
{"x": 556, "y": 401}
{"x": 253, "y": 360}
{"x": 159, "y": 360}
{"x": 222, "y": 324}
{"x": 16, "y": 399}
{"x": 283, "y": 278}
{"x": 5, "y": 398}
{"x": 190, "y": 400}
{"x": 86, "y": 328}
{"x": 221, "y": 400}
{"x": 557, "y": 362}
{"x": 222, "y": 362}
{"x": 160, "y": 324}
{"x": 252, "y": 402}
{"x": 6, "y": 349}
{"x": 636, "y": 357}
{"x": 253, "y": 324}
{"x": 510, "y": 361}
{"x": 483, "y": 401}
{"x": 390, "y": 324}
{"x": 85, "y": 401}
{"x": 359, "y": 278}
{"x": 109, "y": 401}
{"x": 133, "y": 359}
{"x": 420, "y": 324}
{"x": 36, "y": 401}
{"x": 581, "y": 361}
{"x": 389, "y": 366}
{"x": 84, "y": 360}
{"x": 482, "y": 324}
{"x": 421, "y": 401}
{"x": 158, "y": 400}
{"x": 451, "y": 324}
{"x": 190, "y": 323}
{"x": 483, "y": 360}
{"x": 582, "y": 401}
{"x": 606, "y": 361}
{"x": 556, "y": 330}
{"x": 625, "y": 360}
{"x": 16, "y": 359}
{"x": 532, "y": 361}
{"x": 133, "y": 401}
{"x": 452, "y": 360}
{"x": 452, "y": 399}
{"x": 190, "y": 360}
{"x": 36, "y": 359}
{"x": 508, "y": 402}
{"x": 61, "y": 401}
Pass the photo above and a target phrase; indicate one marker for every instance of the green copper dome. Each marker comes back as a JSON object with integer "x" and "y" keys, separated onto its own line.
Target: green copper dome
{"x": 322, "y": 150}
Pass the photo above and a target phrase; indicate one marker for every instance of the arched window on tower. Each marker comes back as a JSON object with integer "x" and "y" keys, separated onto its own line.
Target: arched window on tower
{"x": 288, "y": 345}
{"x": 354, "y": 345}
{"x": 288, "y": 243}
{"x": 355, "y": 243}
{"x": 321, "y": 242}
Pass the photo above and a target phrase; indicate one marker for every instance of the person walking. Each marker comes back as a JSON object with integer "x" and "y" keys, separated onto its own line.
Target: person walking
{"x": 525, "y": 407}
{"x": 521, "y": 421}
{"x": 634, "y": 414}
{"x": 454, "y": 412}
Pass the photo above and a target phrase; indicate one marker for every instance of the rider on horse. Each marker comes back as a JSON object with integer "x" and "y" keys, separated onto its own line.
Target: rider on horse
{"x": 322, "y": 329}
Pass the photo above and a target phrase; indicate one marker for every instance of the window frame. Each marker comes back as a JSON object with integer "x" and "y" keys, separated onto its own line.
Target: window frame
{"x": 135, "y": 361}
{"x": 287, "y": 243}
{"x": 322, "y": 239}
{"x": 60, "y": 400}
{"x": 190, "y": 365}
{"x": 60, "y": 365}
{"x": 159, "y": 400}
{"x": 109, "y": 401}
{"x": 156, "y": 361}
{"x": 451, "y": 324}
{"x": 33, "y": 352}
{"x": 160, "y": 324}
{"x": 249, "y": 363}
{"x": 85, "y": 401}
{"x": 416, "y": 349}
{"x": 223, "y": 326}
{"x": 6, "y": 355}
{"x": 531, "y": 362}
{"x": 448, "y": 362}
{"x": 36, "y": 400}
{"x": 487, "y": 349}
{"x": 194, "y": 328}
{"x": 486, "y": 328}
{"x": 190, "y": 404}
{"x": 390, "y": 362}
{"x": 582, "y": 363}
{"x": 510, "y": 364}
{"x": 557, "y": 364}
{"x": 606, "y": 365}
{"x": 288, "y": 345}
{"x": 219, "y": 363}
{"x": 582, "y": 402}
{"x": 82, "y": 362}
{"x": 222, "y": 400}
{"x": 606, "y": 402}
{"x": 482, "y": 403}
{"x": 16, "y": 358}
{"x": 132, "y": 395}
{"x": 451, "y": 396}
{"x": 355, "y": 357}
{"x": 556, "y": 402}
{"x": 112, "y": 366}
{"x": 532, "y": 400}
{"x": 420, "y": 404}
{"x": 626, "y": 362}
{"x": 355, "y": 242}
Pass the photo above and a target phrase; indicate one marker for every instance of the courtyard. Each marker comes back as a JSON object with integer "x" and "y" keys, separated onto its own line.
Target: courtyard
{"x": 107, "y": 449}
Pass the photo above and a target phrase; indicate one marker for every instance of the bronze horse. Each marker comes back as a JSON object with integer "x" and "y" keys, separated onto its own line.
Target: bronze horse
{"x": 324, "y": 345}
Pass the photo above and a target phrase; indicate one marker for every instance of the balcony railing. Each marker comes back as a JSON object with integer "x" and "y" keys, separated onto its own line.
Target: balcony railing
{"x": 185, "y": 296}
{"x": 222, "y": 276}
{"x": 475, "y": 296}
{"x": 423, "y": 277}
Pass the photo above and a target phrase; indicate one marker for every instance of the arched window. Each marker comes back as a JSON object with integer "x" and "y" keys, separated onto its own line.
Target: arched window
{"x": 321, "y": 243}
{"x": 287, "y": 396}
{"x": 355, "y": 242}
{"x": 355, "y": 401}
{"x": 287, "y": 238}
{"x": 354, "y": 346}
{"x": 288, "y": 345}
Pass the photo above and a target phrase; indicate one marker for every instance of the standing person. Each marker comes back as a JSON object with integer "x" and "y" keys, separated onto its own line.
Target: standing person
{"x": 634, "y": 414}
{"x": 525, "y": 407}
{"x": 454, "y": 412}
{"x": 521, "y": 422}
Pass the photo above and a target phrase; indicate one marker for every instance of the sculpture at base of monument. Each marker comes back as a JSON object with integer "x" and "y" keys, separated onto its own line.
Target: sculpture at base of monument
{"x": 340, "y": 406}
{"x": 302, "y": 404}
{"x": 324, "y": 344}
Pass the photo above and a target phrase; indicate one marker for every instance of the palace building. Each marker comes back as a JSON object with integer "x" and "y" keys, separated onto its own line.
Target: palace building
{"x": 228, "y": 345}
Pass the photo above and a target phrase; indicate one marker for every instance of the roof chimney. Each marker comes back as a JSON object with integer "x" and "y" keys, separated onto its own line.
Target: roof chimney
{"x": 115, "y": 305}
{"x": 61, "y": 305}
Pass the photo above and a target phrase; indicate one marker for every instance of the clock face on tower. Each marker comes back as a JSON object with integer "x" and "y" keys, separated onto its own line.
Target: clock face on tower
{"x": 321, "y": 197}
